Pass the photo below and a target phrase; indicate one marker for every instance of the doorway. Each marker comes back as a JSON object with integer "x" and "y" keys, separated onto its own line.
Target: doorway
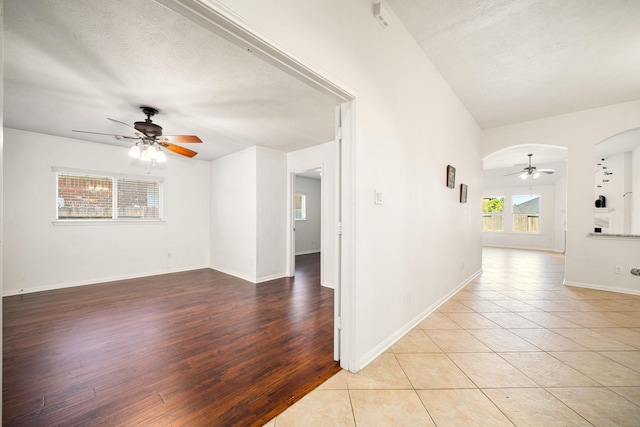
{"x": 307, "y": 217}
{"x": 217, "y": 19}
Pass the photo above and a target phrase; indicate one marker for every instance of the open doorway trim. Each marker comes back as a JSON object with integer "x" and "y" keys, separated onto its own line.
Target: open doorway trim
{"x": 291, "y": 222}
{"x": 217, "y": 18}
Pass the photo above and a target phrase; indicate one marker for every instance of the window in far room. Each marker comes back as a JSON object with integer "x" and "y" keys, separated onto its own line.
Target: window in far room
{"x": 526, "y": 213}
{"x": 300, "y": 207}
{"x": 86, "y": 196}
{"x": 493, "y": 213}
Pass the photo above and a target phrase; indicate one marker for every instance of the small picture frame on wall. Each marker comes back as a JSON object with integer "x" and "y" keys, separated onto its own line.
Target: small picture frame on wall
{"x": 451, "y": 176}
{"x": 463, "y": 193}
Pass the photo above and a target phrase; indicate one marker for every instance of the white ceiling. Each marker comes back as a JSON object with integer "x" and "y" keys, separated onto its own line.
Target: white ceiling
{"x": 502, "y": 168}
{"x": 511, "y": 61}
{"x": 70, "y": 65}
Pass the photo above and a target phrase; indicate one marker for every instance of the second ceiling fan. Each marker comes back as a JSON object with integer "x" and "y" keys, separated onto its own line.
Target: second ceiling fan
{"x": 531, "y": 171}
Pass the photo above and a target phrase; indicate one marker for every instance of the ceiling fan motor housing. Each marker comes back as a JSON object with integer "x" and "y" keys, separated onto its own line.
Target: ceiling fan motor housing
{"x": 148, "y": 128}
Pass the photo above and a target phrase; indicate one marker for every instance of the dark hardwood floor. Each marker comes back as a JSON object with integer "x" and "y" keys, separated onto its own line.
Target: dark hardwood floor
{"x": 198, "y": 348}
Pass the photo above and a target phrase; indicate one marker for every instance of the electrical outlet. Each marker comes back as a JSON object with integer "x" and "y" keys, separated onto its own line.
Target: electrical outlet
{"x": 618, "y": 269}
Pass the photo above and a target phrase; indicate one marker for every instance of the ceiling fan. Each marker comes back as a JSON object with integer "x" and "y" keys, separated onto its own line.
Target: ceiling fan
{"x": 149, "y": 139}
{"x": 531, "y": 171}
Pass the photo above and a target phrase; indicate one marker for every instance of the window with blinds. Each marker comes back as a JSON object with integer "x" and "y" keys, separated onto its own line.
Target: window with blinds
{"x": 138, "y": 199}
{"x": 100, "y": 197}
{"x": 300, "y": 208}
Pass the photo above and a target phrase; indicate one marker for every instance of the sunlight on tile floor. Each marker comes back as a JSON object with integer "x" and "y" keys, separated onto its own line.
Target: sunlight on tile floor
{"x": 514, "y": 347}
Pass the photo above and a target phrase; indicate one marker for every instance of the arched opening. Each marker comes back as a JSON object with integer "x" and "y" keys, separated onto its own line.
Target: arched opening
{"x": 524, "y": 197}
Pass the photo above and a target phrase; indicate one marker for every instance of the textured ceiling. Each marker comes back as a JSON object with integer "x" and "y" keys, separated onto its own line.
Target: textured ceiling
{"x": 71, "y": 64}
{"x": 511, "y": 61}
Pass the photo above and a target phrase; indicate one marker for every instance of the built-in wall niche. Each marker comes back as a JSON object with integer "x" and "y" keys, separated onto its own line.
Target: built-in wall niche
{"x": 616, "y": 206}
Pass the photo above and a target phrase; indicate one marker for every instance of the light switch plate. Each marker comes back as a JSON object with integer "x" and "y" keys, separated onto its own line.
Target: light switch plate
{"x": 378, "y": 198}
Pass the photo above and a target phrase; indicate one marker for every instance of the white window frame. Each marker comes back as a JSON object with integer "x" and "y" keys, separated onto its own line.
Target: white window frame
{"x": 513, "y": 213}
{"x": 303, "y": 207}
{"x": 494, "y": 214}
{"x": 114, "y": 196}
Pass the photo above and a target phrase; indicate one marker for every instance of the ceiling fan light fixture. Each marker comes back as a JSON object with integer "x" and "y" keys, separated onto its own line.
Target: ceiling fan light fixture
{"x": 134, "y": 152}
{"x": 152, "y": 152}
{"x": 144, "y": 156}
{"x": 161, "y": 157}
{"x": 523, "y": 175}
{"x": 536, "y": 175}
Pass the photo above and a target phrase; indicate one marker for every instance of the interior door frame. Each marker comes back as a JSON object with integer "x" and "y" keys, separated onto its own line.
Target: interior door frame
{"x": 219, "y": 19}
{"x": 291, "y": 222}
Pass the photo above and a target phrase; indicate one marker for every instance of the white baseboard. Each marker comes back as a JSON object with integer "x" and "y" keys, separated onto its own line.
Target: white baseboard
{"x": 603, "y": 288}
{"x": 96, "y": 281}
{"x": 328, "y": 285}
{"x": 253, "y": 280}
{"x": 233, "y": 273}
{"x": 271, "y": 277}
{"x": 312, "y": 251}
{"x": 524, "y": 248}
{"x": 371, "y": 355}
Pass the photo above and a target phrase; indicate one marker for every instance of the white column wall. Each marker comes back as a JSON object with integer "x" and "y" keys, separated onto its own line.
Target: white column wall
{"x": 271, "y": 196}
{"x": 417, "y": 248}
{"x": 233, "y": 238}
{"x": 1, "y": 184}
{"x": 590, "y": 261}
{"x": 635, "y": 188}
{"x": 560, "y": 214}
{"x": 40, "y": 255}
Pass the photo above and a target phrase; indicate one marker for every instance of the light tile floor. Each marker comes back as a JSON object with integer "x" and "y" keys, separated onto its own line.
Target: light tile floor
{"x": 514, "y": 347}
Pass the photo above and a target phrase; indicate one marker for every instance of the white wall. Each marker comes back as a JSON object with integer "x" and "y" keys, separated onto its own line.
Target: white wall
{"x": 308, "y": 231}
{"x": 248, "y": 214}
{"x": 322, "y": 156}
{"x": 635, "y": 195}
{"x": 590, "y": 261}
{"x": 560, "y": 214}
{"x": 1, "y": 185}
{"x": 271, "y": 166}
{"x": 420, "y": 245}
{"x": 545, "y": 239}
{"x": 39, "y": 255}
{"x": 233, "y": 235}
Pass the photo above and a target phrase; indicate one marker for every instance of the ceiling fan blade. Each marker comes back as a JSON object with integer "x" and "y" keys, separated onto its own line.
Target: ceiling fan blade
{"x": 123, "y": 123}
{"x": 515, "y": 173}
{"x": 546, "y": 170}
{"x": 178, "y": 150}
{"x": 181, "y": 138}
{"x": 108, "y": 134}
